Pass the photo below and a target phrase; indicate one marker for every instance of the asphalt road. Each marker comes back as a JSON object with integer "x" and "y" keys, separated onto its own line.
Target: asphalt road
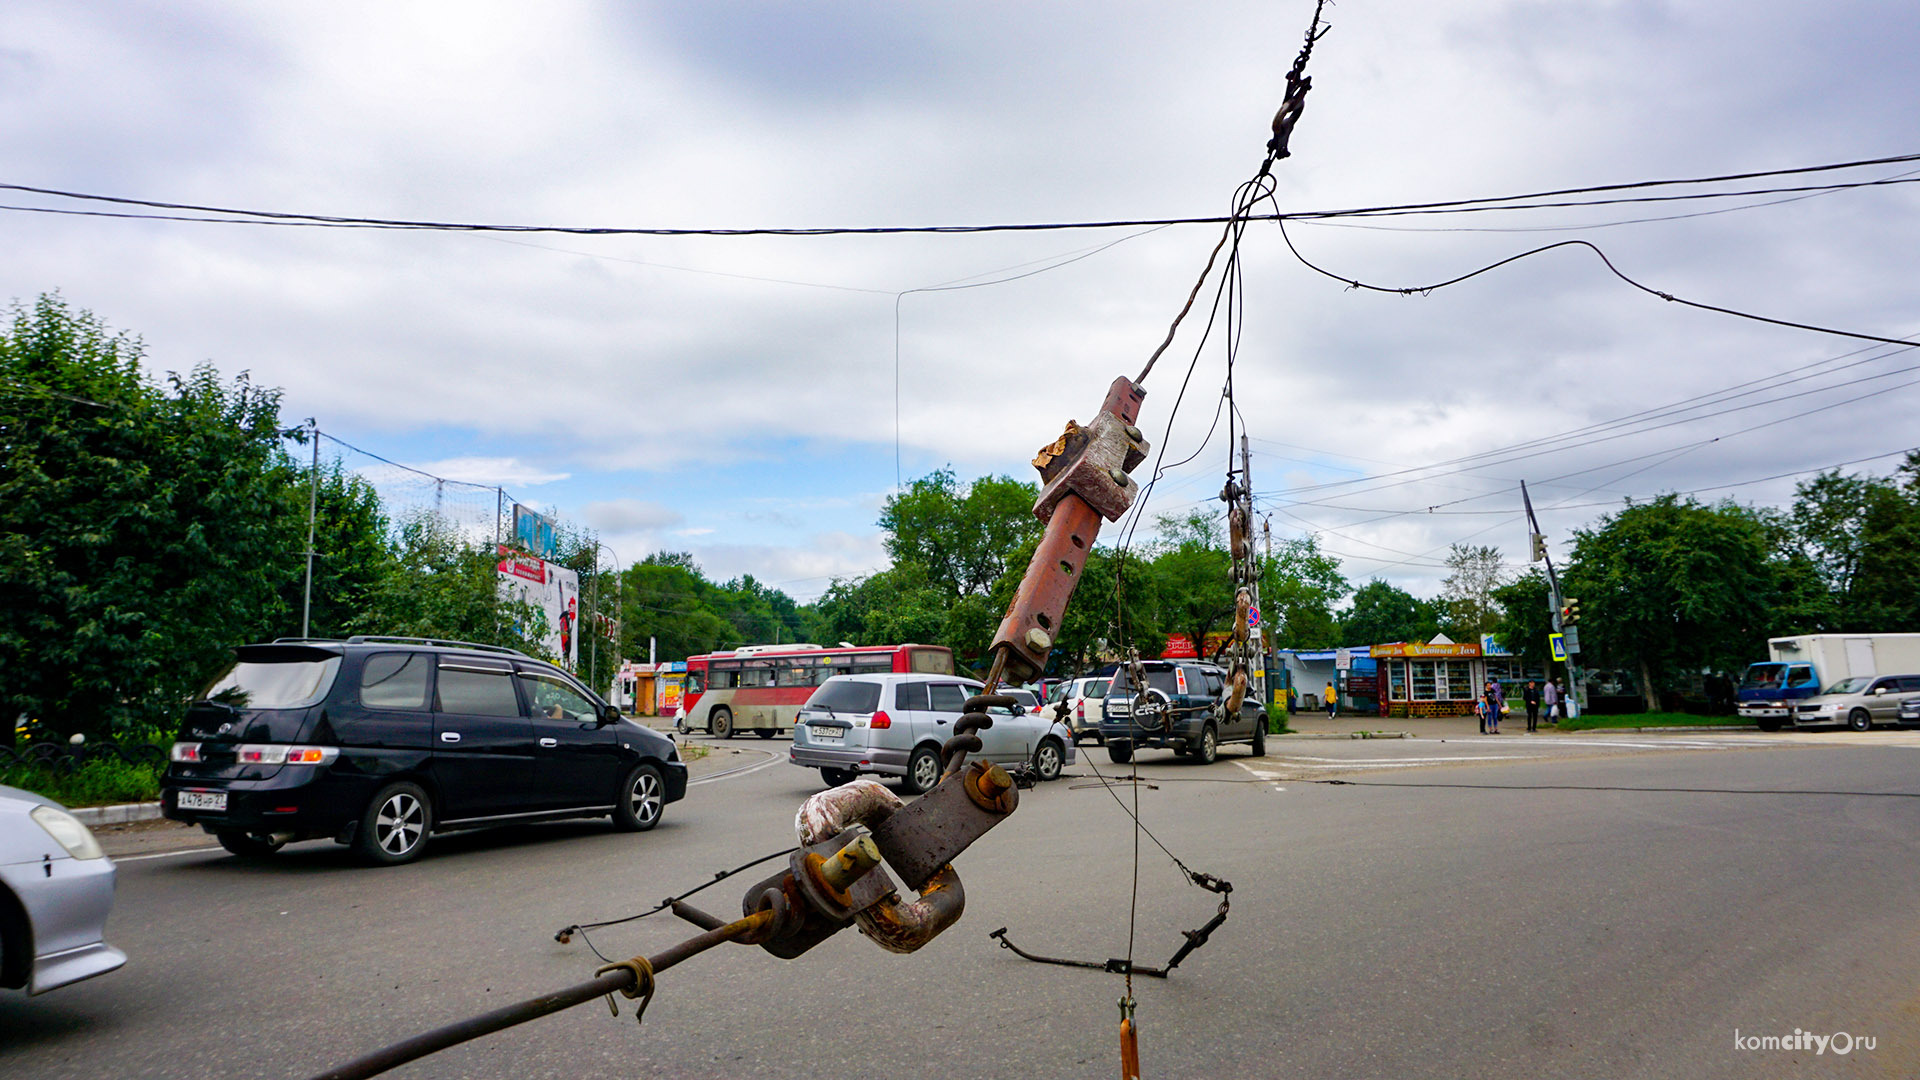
{"x": 1593, "y": 905}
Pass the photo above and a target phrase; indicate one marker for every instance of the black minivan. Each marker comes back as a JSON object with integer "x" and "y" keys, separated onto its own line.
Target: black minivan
{"x": 379, "y": 742}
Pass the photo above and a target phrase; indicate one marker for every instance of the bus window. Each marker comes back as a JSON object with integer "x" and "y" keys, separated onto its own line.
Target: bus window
{"x": 696, "y": 683}
{"x": 931, "y": 661}
{"x": 723, "y": 678}
{"x": 793, "y": 676}
{"x": 758, "y": 675}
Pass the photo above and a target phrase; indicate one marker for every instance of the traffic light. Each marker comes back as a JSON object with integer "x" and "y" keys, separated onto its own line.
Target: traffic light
{"x": 1571, "y": 613}
{"x": 1539, "y": 547}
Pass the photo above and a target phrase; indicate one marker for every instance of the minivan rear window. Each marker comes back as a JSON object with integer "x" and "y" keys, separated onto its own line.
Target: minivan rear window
{"x": 847, "y": 696}
{"x": 394, "y": 680}
{"x": 281, "y": 684}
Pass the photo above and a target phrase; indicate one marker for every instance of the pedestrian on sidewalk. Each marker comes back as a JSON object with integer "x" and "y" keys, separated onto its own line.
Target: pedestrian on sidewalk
{"x": 1552, "y": 696}
{"x": 1531, "y": 697}
{"x": 1490, "y": 696}
{"x": 1333, "y": 701}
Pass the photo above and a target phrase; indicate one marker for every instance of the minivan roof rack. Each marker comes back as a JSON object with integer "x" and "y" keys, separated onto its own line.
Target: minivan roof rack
{"x": 387, "y": 639}
{"x": 306, "y": 641}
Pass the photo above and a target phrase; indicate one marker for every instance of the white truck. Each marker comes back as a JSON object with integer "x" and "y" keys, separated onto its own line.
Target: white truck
{"x": 1801, "y": 667}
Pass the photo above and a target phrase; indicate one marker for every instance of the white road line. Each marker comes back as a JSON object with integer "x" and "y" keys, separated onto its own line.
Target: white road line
{"x": 1397, "y": 760}
{"x": 162, "y": 854}
{"x": 742, "y": 771}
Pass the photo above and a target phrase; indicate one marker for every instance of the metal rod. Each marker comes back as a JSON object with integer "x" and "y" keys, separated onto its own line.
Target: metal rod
{"x": 533, "y": 1008}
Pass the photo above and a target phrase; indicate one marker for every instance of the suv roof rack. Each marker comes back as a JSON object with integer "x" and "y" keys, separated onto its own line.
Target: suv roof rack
{"x": 306, "y": 640}
{"x": 444, "y": 643}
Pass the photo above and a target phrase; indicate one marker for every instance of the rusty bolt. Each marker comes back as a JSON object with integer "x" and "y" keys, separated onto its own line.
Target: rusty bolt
{"x": 994, "y": 781}
{"x": 1038, "y": 641}
{"x": 846, "y": 866}
{"x": 1134, "y": 433}
{"x": 1119, "y": 476}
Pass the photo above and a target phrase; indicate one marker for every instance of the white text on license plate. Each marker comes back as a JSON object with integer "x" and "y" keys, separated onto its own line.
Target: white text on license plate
{"x": 203, "y": 800}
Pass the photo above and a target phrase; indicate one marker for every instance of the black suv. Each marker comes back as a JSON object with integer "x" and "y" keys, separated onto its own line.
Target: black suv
{"x": 1188, "y": 713}
{"x": 378, "y": 742}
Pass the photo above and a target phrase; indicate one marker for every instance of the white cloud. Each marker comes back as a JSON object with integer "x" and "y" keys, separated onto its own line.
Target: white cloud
{"x": 502, "y": 471}
{"x": 679, "y": 358}
{"x": 629, "y": 515}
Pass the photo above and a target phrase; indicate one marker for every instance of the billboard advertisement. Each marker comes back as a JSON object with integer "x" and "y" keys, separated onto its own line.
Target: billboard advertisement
{"x": 533, "y": 532}
{"x": 554, "y": 590}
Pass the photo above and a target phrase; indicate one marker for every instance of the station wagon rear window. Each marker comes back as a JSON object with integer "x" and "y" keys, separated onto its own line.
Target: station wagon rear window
{"x": 293, "y": 683}
{"x": 847, "y": 697}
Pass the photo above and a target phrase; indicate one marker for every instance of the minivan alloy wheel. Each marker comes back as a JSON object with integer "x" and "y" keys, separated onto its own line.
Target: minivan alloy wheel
{"x": 398, "y": 826}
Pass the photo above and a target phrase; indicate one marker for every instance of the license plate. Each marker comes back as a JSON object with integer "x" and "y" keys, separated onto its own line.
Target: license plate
{"x": 828, "y": 734}
{"x": 202, "y": 800}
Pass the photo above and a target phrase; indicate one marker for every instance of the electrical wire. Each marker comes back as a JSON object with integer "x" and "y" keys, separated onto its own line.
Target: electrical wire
{"x": 1353, "y": 283}
{"x": 235, "y": 215}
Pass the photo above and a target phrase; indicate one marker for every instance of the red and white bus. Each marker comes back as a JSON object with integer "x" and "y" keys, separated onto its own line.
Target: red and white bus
{"x": 760, "y": 688}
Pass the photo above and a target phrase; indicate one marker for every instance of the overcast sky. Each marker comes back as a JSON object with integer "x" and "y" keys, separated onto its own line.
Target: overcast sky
{"x": 734, "y": 397}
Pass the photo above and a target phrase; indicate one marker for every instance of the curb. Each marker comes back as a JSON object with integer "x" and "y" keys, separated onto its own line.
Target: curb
{"x": 1696, "y": 729}
{"x": 121, "y": 814}
{"x": 1348, "y": 735}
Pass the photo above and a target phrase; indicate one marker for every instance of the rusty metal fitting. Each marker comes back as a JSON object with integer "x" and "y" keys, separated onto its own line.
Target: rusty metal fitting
{"x": 828, "y": 813}
{"x": 1097, "y": 472}
{"x": 990, "y": 788}
{"x": 902, "y": 928}
{"x": 849, "y": 863}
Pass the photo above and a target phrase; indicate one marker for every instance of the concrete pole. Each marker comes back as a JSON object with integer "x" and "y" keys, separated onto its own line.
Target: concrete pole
{"x": 313, "y": 507}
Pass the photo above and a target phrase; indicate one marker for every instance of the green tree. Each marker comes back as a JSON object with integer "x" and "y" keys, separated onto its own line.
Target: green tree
{"x": 1862, "y": 535}
{"x": 1299, "y": 588}
{"x": 353, "y": 550}
{"x": 441, "y": 585}
{"x": 1192, "y": 579}
{"x": 666, "y": 598}
{"x": 1526, "y": 616}
{"x": 965, "y": 539}
{"x": 145, "y": 527}
{"x": 1383, "y": 613}
{"x": 1674, "y": 586}
{"x": 1474, "y": 574}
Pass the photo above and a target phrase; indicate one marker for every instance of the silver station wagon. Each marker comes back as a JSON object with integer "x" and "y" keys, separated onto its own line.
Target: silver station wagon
{"x": 893, "y": 725}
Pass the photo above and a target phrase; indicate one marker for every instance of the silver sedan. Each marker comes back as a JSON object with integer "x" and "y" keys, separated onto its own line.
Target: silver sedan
{"x": 56, "y": 888}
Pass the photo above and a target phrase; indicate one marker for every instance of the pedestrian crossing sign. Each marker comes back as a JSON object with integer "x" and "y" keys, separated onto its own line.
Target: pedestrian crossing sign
{"x": 1557, "y": 643}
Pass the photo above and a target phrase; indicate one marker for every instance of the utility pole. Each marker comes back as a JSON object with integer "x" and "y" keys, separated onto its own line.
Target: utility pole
{"x": 1238, "y": 495}
{"x": 1537, "y": 540}
{"x": 313, "y": 507}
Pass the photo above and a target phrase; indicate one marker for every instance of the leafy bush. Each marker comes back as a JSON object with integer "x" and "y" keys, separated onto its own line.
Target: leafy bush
{"x": 100, "y": 782}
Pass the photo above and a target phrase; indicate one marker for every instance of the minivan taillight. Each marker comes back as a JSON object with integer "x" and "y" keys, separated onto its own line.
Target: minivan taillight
{"x": 1080, "y": 711}
{"x": 282, "y": 754}
{"x": 881, "y": 720}
{"x": 186, "y": 751}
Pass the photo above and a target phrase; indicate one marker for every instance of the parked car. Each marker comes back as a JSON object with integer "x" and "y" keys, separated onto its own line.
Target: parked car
{"x": 1910, "y": 710}
{"x": 1859, "y": 702}
{"x": 56, "y": 889}
{"x": 1184, "y": 716}
{"x": 380, "y": 742}
{"x": 1083, "y": 697}
{"x": 893, "y": 725}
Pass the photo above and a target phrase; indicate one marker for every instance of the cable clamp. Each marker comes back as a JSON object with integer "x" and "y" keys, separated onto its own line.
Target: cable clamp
{"x": 641, "y": 990}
